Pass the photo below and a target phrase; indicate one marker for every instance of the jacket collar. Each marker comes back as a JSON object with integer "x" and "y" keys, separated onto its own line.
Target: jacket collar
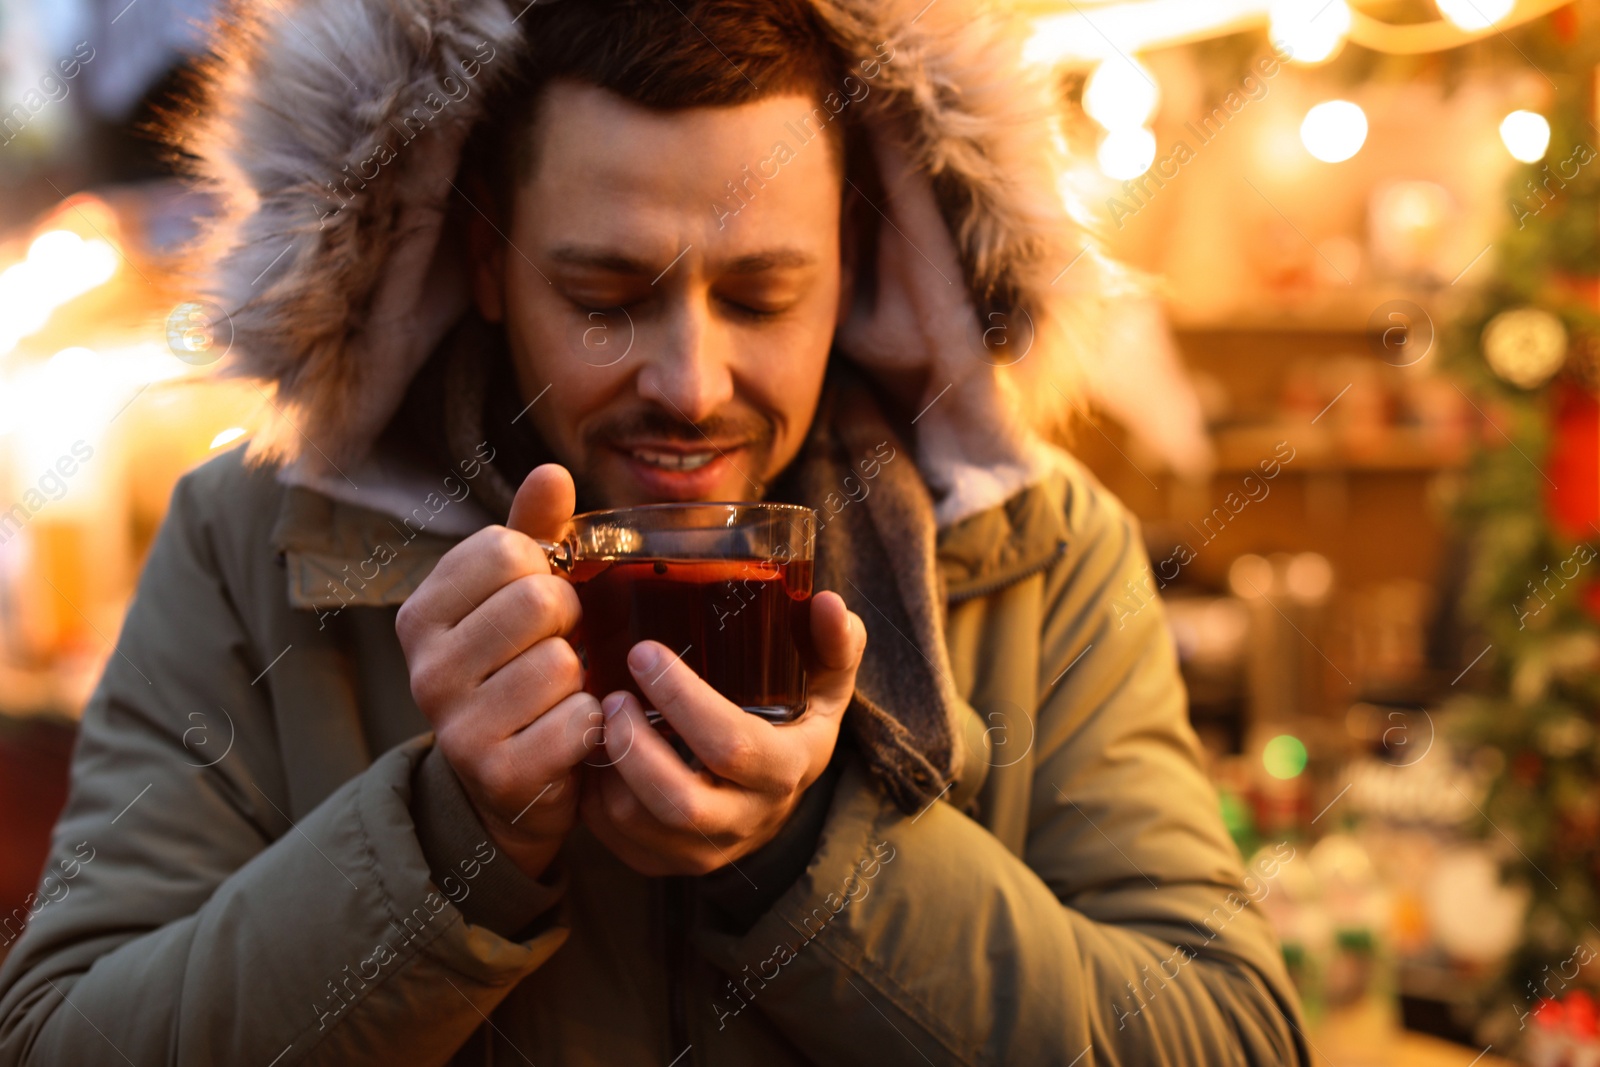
{"x": 338, "y": 554}
{"x": 1003, "y": 544}
{"x": 441, "y": 474}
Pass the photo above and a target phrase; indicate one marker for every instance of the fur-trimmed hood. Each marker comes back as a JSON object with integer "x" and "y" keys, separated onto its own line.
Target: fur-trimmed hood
{"x": 331, "y": 132}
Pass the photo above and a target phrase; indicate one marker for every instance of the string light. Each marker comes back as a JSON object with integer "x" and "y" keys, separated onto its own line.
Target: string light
{"x": 1526, "y": 135}
{"x": 1127, "y": 153}
{"x": 59, "y": 266}
{"x": 1310, "y": 31}
{"x": 1334, "y": 130}
{"x": 1475, "y": 14}
{"x": 1064, "y": 33}
{"x": 1121, "y": 94}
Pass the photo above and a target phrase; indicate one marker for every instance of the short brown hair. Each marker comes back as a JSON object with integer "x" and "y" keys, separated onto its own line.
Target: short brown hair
{"x": 661, "y": 54}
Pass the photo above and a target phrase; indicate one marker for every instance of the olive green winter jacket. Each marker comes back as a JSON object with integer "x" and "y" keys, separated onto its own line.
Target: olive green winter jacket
{"x": 257, "y": 891}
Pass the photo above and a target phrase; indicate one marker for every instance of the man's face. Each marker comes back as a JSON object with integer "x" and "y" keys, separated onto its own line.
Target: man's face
{"x": 682, "y": 337}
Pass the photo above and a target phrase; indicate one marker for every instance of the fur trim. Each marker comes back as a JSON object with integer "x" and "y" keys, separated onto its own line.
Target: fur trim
{"x": 308, "y": 106}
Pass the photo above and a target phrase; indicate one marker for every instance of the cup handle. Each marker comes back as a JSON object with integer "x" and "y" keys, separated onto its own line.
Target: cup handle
{"x": 559, "y": 554}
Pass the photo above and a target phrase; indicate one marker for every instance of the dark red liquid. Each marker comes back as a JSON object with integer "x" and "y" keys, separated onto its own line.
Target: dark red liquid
{"x": 744, "y": 625}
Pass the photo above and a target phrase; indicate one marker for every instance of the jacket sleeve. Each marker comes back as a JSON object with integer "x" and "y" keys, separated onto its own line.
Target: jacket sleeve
{"x": 185, "y": 919}
{"x": 1123, "y": 928}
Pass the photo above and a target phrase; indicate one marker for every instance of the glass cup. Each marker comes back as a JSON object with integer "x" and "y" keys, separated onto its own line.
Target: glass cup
{"x": 726, "y": 586}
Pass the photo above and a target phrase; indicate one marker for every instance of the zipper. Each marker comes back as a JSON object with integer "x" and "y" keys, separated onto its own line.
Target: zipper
{"x": 675, "y": 908}
{"x": 994, "y": 585}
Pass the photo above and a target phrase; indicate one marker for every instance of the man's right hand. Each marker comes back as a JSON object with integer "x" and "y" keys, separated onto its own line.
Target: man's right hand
{"x": 491, "y": 668}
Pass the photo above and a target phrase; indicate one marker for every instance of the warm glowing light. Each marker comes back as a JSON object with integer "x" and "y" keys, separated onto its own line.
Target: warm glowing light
{"x": 1310, "y": 31}
{"x": 227, "y": 436}
{"x": 77, "y": 362}
{"x": 1526, "y": 134}
{"x": 55, "y": 249}
{"x": 60, "y": 266}
{"x": 77, "y": 392}
{"x": 1334, "y": 131}
{"x": 1475, "y": 14}
{"x": 1284, "y": 756}
{"x": 1121, "y": 94}
{"x": 59, "y": 396}
{"x": 1126, "y": 154}
{"x": 1107, "y": 30}
{"x": 1250, "y": 576}
{"x": 1309, "y": 576}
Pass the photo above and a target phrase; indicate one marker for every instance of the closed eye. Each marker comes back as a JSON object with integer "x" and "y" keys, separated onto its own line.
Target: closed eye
{"x": 595, "y": 309}
{"x": 752, "y": 312}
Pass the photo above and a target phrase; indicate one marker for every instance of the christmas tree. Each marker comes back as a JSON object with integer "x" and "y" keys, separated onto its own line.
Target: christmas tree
{"x": 1528, "y": 355}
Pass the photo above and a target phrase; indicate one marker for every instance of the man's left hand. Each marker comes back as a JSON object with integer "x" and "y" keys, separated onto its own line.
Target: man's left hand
{"x": 661, "y": 817}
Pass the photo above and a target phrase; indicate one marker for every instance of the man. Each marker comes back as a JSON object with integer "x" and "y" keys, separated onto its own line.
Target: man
{"x": 504, "y": 264}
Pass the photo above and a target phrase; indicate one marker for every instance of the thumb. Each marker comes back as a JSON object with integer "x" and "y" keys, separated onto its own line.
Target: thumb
{"x": 839, "y": 638}
{"x": 544, "y": 502}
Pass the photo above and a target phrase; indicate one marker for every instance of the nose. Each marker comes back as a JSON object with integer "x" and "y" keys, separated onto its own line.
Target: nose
{"x": 690, "y": 369}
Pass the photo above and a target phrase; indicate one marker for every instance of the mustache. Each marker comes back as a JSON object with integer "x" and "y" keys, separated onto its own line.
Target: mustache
{"x": 655, "y": 424}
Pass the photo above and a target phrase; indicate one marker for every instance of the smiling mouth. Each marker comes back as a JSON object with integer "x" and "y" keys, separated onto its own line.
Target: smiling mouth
{"x": 673, "y": 461}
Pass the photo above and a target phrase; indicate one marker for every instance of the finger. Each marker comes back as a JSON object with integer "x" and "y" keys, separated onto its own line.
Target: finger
{"x": 621, "y": 823}
{"x": 624, "y": 734}
{"x": 523, "y": 691}
{"x": 465, "y": 577}
{"x": 544, "y": 501}
{"x": 732, "y": 743}
{"x": 840, "y": 639}
{"x": 532, "y": 768}
{"x": 561, "y": 738}
{"x": 837, "y": 633}
{"x": 610, "y": 811}
{"x": 515, "y": 618}
{"x": 477, "y": 568}
{"x": 677, "y": 797}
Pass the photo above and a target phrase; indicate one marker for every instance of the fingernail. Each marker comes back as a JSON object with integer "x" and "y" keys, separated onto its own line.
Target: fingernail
{"x": 611, "y": 705}
{"x": 643, "y": 657}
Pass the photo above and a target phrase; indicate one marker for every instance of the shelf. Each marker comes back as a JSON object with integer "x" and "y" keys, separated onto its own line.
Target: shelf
{"x": 1390, "y": 450}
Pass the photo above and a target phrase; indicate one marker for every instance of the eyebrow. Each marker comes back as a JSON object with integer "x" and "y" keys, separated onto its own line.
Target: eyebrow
{"x": 772, "y": 259}
{"x": 616, "y": 262}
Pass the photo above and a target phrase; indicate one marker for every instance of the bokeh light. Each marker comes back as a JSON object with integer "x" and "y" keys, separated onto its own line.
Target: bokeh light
{"x": 1310, "y": 31}
{"x": 1475, "y": 14}
{"x": 1126, "y": 154}
{"x": 1284, "y": 756}
{"x": 1526, "y": 135}
{"x": 59, "y": 266}
{"x": 1121, "y": 94}
{"x": 1334, "y": 131}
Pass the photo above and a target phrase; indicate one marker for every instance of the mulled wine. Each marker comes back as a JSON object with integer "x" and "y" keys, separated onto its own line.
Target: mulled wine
{"x": 744, "y": 625}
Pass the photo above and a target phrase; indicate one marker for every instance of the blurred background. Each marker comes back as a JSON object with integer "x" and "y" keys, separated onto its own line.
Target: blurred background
{"x": 1354, "y": 397}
